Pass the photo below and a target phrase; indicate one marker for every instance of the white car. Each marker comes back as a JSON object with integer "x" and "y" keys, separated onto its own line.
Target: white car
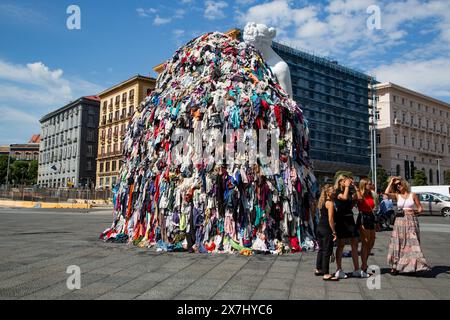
{"x": 434, "y": 203}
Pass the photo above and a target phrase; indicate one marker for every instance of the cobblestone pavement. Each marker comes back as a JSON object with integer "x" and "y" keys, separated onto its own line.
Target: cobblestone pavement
{"x": 37, "y": 246}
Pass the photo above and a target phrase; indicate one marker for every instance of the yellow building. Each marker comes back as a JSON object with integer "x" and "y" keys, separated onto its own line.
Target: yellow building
{"x": 117, "y": 106}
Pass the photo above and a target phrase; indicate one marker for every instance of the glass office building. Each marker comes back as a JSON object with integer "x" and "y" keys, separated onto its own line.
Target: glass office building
{"x": 335, "y": 101}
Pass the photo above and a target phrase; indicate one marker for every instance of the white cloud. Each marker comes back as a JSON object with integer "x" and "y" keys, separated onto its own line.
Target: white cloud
{"x": 431, "y": 77}
{"x": 158, "y": 21}
{"x": 179, "y": 13}
{"x": 12, "y": 114}
{"x": 35, "y": 89}
{"x": 145, "y": 12}
{"x": 214, "y": 10}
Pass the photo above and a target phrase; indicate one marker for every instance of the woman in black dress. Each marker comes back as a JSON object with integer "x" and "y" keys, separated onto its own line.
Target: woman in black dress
{"x": 346, "y": 230}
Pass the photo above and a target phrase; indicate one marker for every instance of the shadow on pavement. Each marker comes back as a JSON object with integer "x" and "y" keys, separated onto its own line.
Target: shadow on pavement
{"x": 433, "y": 273}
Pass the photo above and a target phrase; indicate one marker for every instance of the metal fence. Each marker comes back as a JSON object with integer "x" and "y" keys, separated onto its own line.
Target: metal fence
{"x": 55, "y": 194}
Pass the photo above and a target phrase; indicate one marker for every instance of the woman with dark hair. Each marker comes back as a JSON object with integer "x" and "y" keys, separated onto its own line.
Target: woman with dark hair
{"x": 405, "y": 254}
{"x": 326, "y": 233}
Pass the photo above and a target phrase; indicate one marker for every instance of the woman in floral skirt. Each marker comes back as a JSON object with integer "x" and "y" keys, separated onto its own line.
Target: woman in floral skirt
{"x": 405, "y": 254}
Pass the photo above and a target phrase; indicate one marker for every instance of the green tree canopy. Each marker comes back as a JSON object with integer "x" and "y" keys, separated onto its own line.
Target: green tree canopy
{"x": 4, "y": 167}
{"x": 420, "y": 178}
{"x": 382, "y": 179}
{"x": 447, "y": 177}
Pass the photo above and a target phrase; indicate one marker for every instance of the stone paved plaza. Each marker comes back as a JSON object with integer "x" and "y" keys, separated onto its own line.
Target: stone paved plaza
{"x": 37, "y": 246}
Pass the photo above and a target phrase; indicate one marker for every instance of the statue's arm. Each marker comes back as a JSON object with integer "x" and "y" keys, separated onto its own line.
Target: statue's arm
{"x": 285, "y": 78}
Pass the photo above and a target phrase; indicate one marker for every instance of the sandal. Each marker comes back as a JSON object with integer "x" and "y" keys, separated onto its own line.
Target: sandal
{"x": 318, "y": 273}
{"x": 394, "y": 272}
{"x": 332, "y": 278}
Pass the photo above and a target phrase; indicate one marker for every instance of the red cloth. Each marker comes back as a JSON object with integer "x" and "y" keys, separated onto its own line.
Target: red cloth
{"x": 367, "y": 204}
{"x": 295, "y": 247}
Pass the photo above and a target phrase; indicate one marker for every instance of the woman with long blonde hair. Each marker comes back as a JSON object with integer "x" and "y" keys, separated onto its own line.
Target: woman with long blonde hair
{"x": 405, "y": 254}
{"x": 326, "y": 233}
{"x": 365, "y": 222}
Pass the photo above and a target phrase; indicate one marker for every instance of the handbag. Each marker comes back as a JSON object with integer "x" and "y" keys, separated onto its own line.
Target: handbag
{"x": 399, "y": 213}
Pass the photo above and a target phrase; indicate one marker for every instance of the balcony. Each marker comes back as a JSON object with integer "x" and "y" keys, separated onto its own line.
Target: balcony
{"x": 397, "y": 121}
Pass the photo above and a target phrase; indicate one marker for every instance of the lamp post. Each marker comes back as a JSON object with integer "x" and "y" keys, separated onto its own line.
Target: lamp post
{"x": 439, "y": 171}
{"x": 7, "y": 170}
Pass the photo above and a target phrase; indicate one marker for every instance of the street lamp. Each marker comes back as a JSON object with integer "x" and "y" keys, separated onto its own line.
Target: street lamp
{"x": 7, "y": 170}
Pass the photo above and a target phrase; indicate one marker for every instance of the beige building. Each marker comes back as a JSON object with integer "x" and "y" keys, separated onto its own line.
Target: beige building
{"x": 413, "y": 132}
{"x": 117, "y": 105}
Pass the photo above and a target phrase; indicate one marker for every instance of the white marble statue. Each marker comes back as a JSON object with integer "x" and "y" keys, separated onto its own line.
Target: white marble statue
{"x": 261, "y": 37}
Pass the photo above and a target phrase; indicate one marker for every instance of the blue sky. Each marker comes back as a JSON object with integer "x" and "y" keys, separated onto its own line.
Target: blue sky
{"x": 43, "y": 65}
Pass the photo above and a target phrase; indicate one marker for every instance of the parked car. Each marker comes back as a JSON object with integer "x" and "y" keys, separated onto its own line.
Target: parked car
{"x": 434, "y": 203}
{"x": 445, "y": 190}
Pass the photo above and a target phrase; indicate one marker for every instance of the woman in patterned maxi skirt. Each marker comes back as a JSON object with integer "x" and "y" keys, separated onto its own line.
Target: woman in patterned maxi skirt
{"x": 405, "y": 254}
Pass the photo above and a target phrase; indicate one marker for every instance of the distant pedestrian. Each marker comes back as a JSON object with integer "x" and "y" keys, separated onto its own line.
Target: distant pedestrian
{"x": 366, "y": 222}
{"x": 386, "y": 211}
{"x": 326, "y": 233}
{"x": 405, "y": 254}
{"x": 346, "y": 230}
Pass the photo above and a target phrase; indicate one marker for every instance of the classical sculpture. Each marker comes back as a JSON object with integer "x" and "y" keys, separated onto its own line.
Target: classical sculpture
{"x": 260, "y": 36}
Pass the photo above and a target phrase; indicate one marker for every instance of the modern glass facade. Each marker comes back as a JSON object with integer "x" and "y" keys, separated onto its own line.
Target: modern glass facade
{"x": 335, "y": 101}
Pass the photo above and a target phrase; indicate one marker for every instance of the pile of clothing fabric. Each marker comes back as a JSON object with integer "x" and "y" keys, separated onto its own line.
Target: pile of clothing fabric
{"x": 216, "y": 95}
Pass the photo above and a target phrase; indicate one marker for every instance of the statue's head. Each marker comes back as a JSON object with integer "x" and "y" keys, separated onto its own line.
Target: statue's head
{"x": 259, "y": 34}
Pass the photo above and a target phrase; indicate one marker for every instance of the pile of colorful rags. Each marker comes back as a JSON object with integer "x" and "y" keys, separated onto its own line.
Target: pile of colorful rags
{"x": 168, "y": 196}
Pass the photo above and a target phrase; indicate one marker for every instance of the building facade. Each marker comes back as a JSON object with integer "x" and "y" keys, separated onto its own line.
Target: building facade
{"x": 117, "y": 107}
{"x": 69, "y": 135}
{"x": 23, "y": 151}
{"x": 335, "y": 101}
{"x": 413, "y": 133}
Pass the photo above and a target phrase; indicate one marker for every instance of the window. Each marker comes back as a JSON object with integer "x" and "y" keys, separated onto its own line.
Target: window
{"x": 113, "y": 166}
{"x": 378, "y": 138}
{"x": 131, "y": 110}
{"x": 413, "y": 141}
{"x": 377, "y": 115}
{"x": 431, "y": 176}
{"x": 88, "y": 165}
{"x": 107, "y": 166}
{"x": 117, "y": 100}
{"x": 101, "y": 167}
{"x": 404, "y": 140}
{"x": 397, "y": 170}
{"x": 89, "y": 151}
{"x": 131, "y": 95}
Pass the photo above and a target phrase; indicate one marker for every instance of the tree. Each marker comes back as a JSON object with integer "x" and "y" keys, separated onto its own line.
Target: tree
{"x": 382, "y": 179}
{"x": 345, "y": 173}
{"x": 32, "y": 172}
{"x": 447, "y": 177}
{"x": 420, "y": 178}
{"x": 19, "y": 171}
{"x": 4, "y": 167}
